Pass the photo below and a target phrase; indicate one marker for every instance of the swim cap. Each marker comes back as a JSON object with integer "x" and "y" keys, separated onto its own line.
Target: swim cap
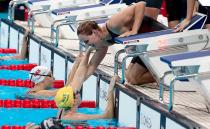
{"x": 37, "y": 72}
{"x": 65, "y": 97}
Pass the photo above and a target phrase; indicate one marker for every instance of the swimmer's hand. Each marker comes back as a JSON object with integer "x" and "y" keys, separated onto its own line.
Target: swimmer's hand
{"x": 31, "y": 91}
{"x": 90, "y": 49}
{"x": 182, "y": 25}
{"x": 22, "y": 97}
{"x": 114, "y": 79}
{"x": 30, "y": 97}
{"x": 78, "y": 58}
{"x": 27, "y": 31}
{"x": 31, "y": 126}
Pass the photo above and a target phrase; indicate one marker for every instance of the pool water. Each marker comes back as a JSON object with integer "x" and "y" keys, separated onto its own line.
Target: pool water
{"x": 2, "y": 54}
{"x": 13, "y": 116}
{"x": 14, "y": 74}
{"x": 21, "y": 116}
{"x": 13, "y": 61}
{"x": 11, "y": 92}
{"x": 8, "y": 92}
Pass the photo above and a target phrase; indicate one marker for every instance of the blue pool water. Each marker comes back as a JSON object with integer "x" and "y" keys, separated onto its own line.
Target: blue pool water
{"x": 2, "y": 54}
{"x": 13, "y": 61}
{"x": 7, "y": 92}
{"x": 14, "y": 116}
{"x": 14, "y": 74}
{"x": 21, "y": 116}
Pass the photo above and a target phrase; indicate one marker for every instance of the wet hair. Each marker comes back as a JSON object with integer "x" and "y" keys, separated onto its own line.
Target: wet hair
{"x": 87, "y": 27}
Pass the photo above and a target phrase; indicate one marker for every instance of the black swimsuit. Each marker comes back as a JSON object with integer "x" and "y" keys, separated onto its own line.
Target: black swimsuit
{"x": 112, "y": 34}
{"x": 111, "y": 41}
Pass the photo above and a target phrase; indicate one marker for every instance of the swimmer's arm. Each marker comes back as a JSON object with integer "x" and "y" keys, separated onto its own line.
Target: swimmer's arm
{"x": 138, "y": 16}
{"x": 74, "y": 69}
{"x": 24, "y": 48}
{"x": 23, "y": 52}
{"x": 45, "y": 93}
{"x": 186, "y": 21}
{"x": 20, "y": 56}
{"x": 67, "y": 114}
{"x": 95, "y": 61}
{"x": 81, "y": 72}
{"x": 190, "y": 8}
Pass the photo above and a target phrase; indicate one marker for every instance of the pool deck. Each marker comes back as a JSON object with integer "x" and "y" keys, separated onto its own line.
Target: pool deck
{"x": 189, "y": 104}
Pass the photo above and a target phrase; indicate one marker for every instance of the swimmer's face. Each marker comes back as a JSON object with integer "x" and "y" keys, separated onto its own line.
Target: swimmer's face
{"x": 93, "y": 40}
{"x": 48, "y": 81}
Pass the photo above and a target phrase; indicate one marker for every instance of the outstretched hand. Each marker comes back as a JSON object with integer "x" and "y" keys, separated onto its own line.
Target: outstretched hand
{"x": 31, "y": 126}
{"x": 115, "y": 78}
{"x": 182, "y": 25}
{"x": 90, "y": 49}
{"x": 27, "y": 31}
{"x": 79, "y": 58}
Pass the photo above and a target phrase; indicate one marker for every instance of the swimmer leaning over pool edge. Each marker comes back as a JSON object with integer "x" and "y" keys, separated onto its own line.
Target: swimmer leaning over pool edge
{"x": 126, "y": 22}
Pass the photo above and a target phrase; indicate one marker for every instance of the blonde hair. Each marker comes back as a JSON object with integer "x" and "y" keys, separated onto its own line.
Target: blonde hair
{"x": 87, "y": 27}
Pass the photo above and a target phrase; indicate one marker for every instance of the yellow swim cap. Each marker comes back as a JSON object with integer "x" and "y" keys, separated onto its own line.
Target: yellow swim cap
{"x": 65, "y": 97}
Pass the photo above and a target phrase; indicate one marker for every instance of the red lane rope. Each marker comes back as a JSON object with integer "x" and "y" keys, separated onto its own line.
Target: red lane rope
{"x": 7, "y": 50}
{"x": 16, "y": 83}
{"x": 27, "y": 83}
{"x": 68, "y": 127}
{"x": 39, "y": 103}
{"x": 27, "y": 67}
